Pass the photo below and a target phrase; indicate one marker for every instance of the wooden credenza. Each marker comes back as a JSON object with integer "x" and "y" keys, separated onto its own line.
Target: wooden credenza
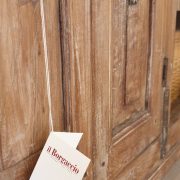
{"x": 111, "y": 79}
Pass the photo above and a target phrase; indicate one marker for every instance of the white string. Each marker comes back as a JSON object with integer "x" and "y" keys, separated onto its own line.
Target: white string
{"x": 46, "y": 64}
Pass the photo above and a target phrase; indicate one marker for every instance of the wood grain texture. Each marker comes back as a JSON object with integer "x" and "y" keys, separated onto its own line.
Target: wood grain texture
{"x": 24, "y": 124}
{"x": 118, "y": 56}
{"x": 138, "y": 44}
{"x": 173, "y": 135}
{"x": 111, "y": 71}
{"x": 166, "y": 164}
{"x": 148, "y": 127}
{"x": 107, "y": 147}
{"x": 83, "y": 42}
{"x": 130, "y": 58}
{"x": 128, "y": 147}
{"x": 55, "y": 61}
{"x": 101, "y": 42}
{"x": 77, "y": 72}
{"x": 22, "y": 170}
{"x": 172, "y": 146}
{"x": 150, "y": 159}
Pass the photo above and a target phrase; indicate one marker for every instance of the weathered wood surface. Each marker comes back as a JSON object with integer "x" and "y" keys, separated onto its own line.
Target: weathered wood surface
{"x": 137, "y": 55}
{"x": 122, "y": 118}
{"x": 143, "y": 165}
{"x": 173, "y": 135}
{"x": 21, "y": 170}
{"x": 77, "y": 72}
{"x": 130, "y": 48}
{"x": 111, "y": 71}
{"x": 178, "y": 5}
{"x": 24, "y": 123}
{"x": 101, "y": 42}
{"x": 166, "y": 164}
{"x": 114, "y": 151}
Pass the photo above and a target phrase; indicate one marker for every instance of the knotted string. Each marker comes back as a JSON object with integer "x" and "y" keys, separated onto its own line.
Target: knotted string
{"x": 43, "y": 23}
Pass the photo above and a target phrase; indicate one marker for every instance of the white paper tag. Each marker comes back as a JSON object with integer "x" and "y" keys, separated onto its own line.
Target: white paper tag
{"x": 60, "y": 160}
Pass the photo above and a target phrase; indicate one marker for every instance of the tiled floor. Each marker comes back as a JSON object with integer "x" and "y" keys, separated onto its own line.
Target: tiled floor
{"x": 174, "y": 172}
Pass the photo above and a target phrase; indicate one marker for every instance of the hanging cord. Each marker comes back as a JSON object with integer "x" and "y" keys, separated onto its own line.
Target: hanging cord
{"x": 46, "y": 64}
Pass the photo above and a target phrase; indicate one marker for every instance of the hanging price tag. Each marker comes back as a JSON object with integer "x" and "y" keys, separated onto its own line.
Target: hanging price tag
{"x": 60, "y": 159}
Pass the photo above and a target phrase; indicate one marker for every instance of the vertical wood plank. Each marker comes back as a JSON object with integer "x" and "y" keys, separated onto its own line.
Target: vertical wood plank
{"x": 138, "y": 27}
{"x": 55, "y": 62}
{"x": 24, "y": 124}
{"x": 130, "y": 49}
{"x": 150, "y": 159}
{"x": 101, "y": 25}
{"x": 77, "y": 74}
{"x": 118, "y": 55}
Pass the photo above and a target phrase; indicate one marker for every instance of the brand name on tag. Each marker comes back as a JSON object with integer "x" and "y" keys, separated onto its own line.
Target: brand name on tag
{"x": 62, "y": 161}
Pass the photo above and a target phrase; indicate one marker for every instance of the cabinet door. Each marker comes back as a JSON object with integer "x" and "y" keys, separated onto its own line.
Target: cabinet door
{"x": 24, "y": 123}
{"x": 127, "y": 48}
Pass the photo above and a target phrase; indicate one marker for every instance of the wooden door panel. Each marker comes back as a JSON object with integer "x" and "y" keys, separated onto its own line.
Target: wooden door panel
{"x": 130, "y": 48}
{"x": 138, "y": 27}
{"x": 129, "y": 146}
{"x": 22, "y": 170}
{"x": 22, "y": 72}
{"x": 77, "y": 73}
{"x": 150, "y": 159}
{"x": 143, "y": 123}
{"x": 127, "y": 81}
{"x": 24, "y": 124}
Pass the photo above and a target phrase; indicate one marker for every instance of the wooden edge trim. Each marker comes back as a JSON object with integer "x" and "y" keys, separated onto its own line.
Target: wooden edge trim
{"x": 166, "y": 164}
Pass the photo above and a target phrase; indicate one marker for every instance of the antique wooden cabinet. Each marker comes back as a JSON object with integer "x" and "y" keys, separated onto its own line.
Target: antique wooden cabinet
{"x": 111, "y": 73}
